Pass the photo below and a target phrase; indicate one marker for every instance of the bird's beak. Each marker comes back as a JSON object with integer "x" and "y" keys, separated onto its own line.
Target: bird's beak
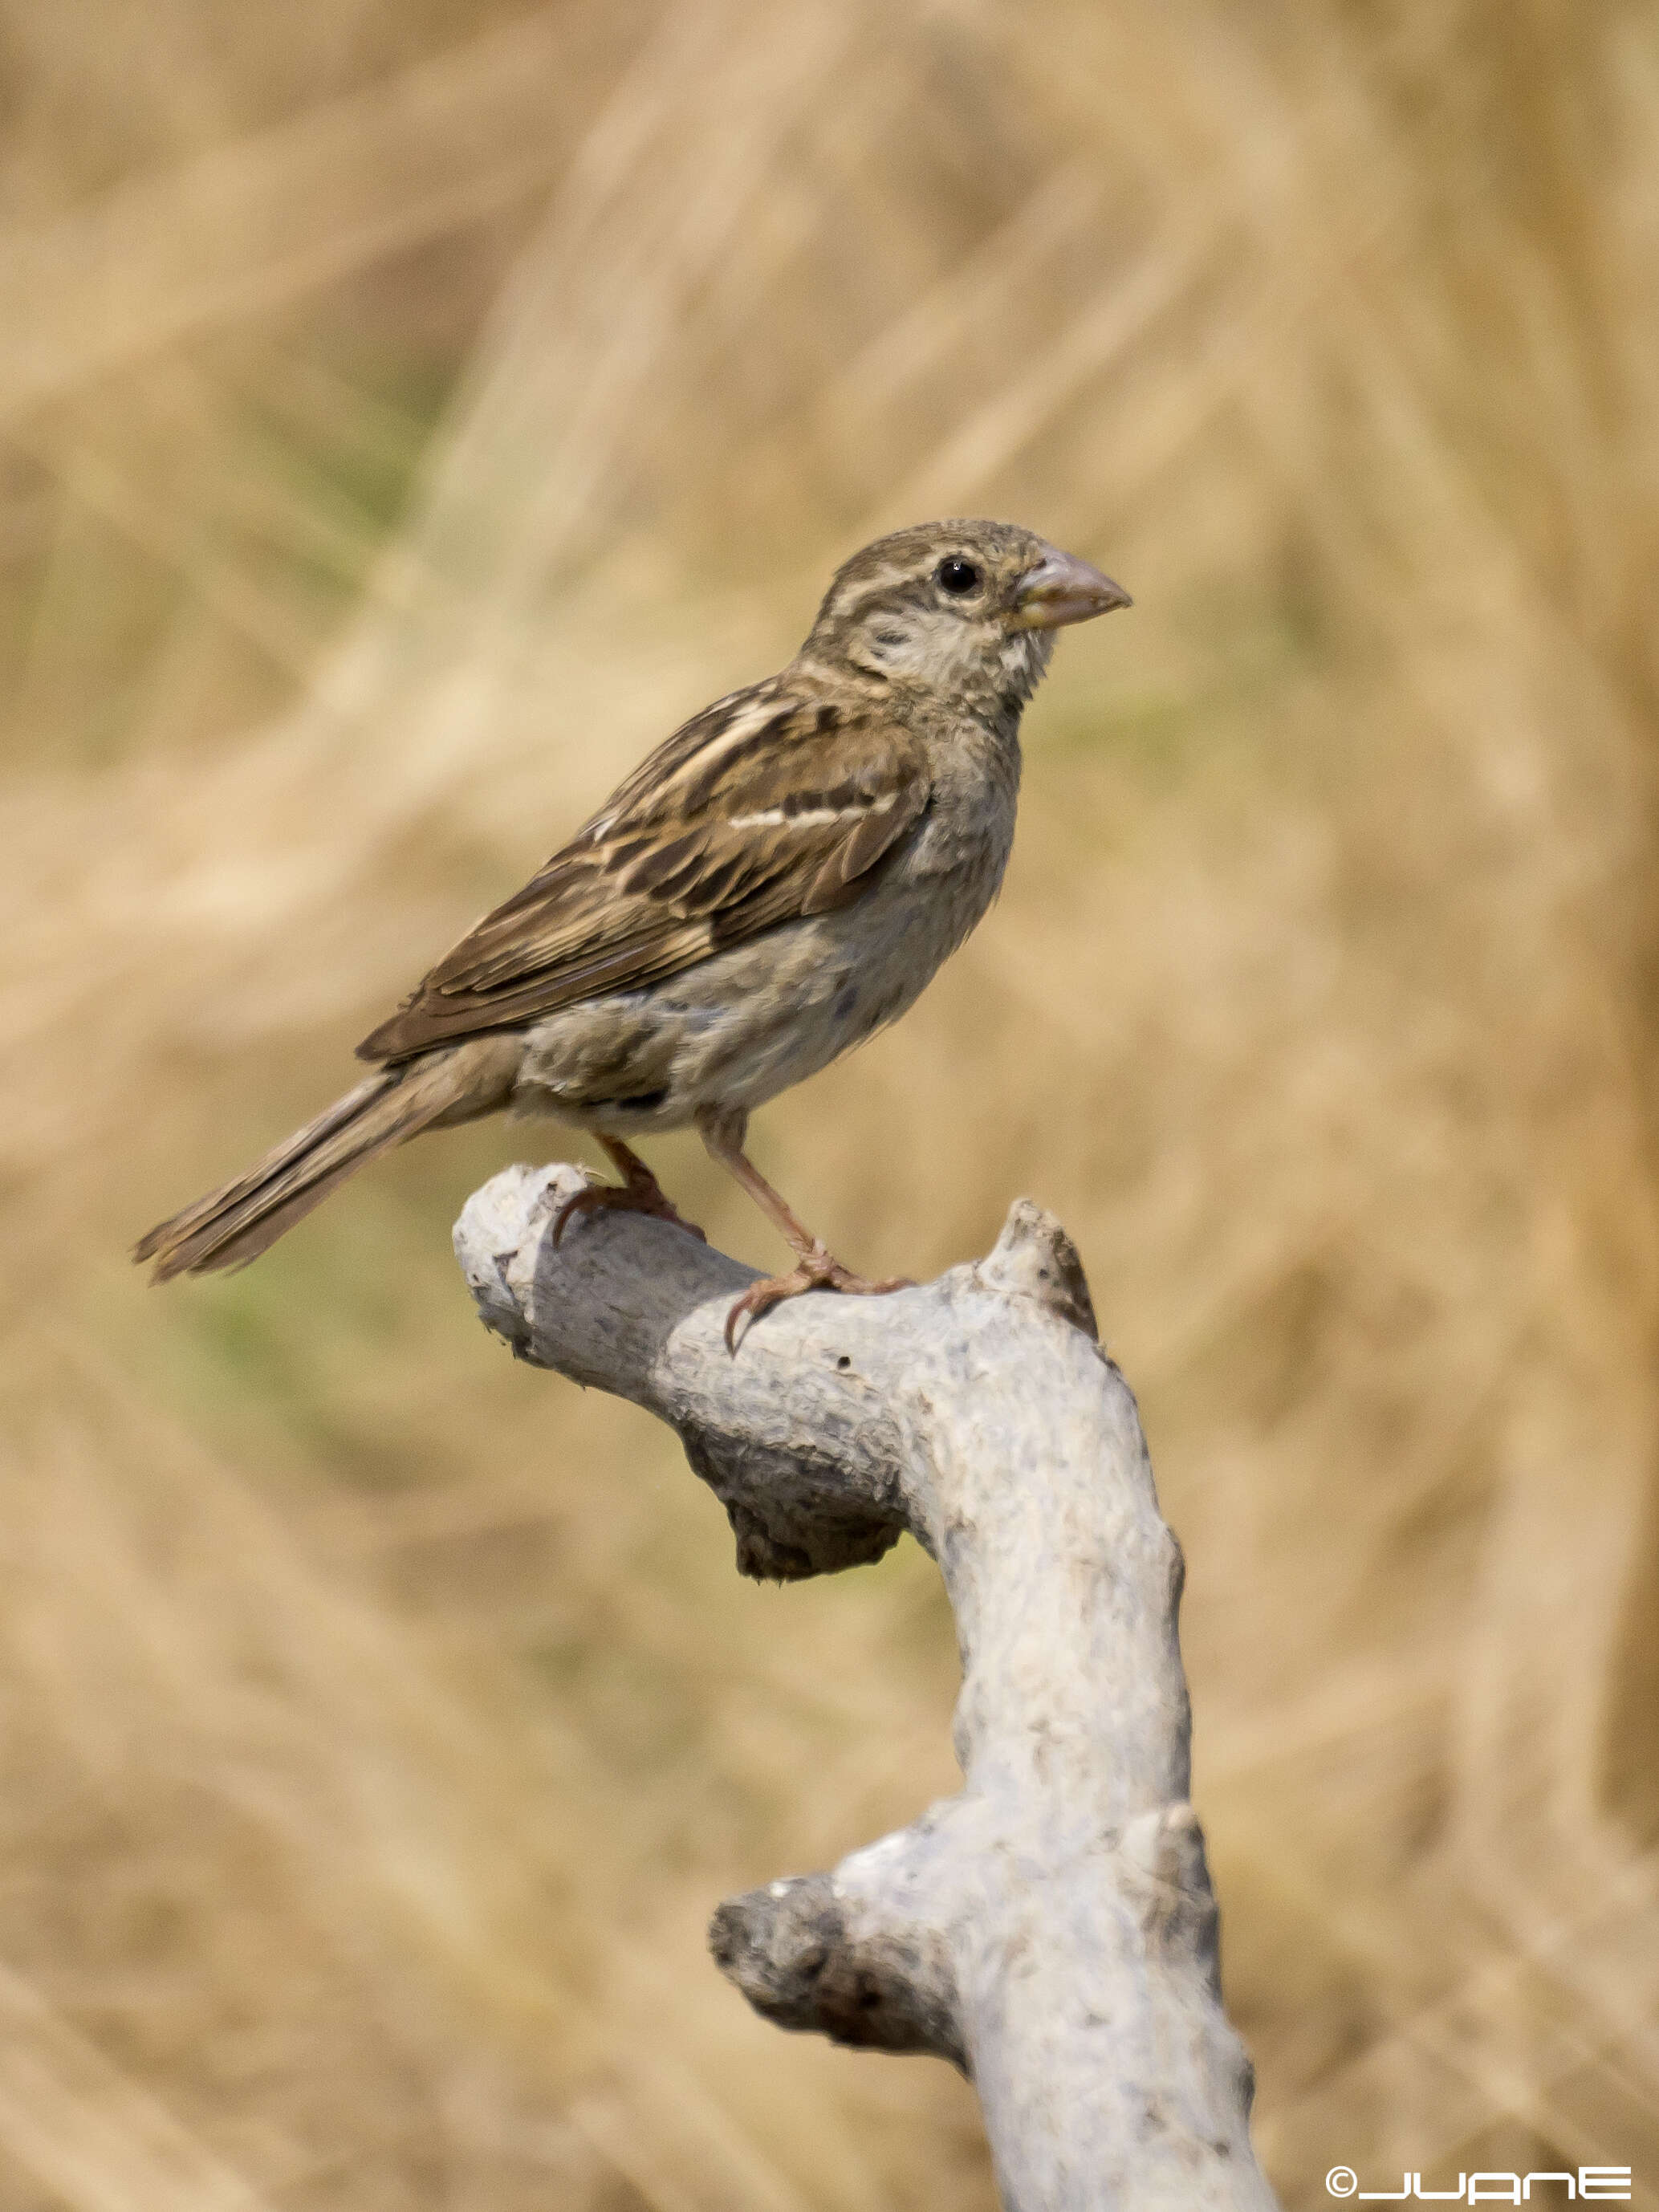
{"x": 1063, "y": 589}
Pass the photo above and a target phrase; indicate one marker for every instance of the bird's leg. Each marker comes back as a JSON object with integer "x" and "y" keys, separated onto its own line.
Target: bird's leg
{"x": 816, "y": 1268}
{"x": 639, "y": 1192}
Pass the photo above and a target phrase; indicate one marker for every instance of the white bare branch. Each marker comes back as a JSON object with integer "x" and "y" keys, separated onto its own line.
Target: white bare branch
{"x": 1051, "y": 1931}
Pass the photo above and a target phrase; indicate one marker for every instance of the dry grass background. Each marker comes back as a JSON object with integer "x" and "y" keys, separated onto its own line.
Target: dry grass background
{"x": 407, "y": 413}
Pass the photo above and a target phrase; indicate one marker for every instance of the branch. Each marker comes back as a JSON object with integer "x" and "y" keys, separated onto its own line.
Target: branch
{"x": 1051, "y": 1931}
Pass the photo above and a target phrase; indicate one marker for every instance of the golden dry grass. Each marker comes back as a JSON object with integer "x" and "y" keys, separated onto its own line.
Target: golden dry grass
{"x": 408, "y": 412}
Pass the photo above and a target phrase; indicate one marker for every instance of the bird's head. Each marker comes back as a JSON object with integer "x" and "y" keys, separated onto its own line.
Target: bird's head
{"x": 966, "y": 610}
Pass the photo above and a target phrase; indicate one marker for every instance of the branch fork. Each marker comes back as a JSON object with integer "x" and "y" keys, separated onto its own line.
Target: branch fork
{"x": 1051, "y": 1931}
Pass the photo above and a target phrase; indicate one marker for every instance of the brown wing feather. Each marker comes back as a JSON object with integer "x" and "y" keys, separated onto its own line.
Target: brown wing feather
{"x": 769, "y": 806}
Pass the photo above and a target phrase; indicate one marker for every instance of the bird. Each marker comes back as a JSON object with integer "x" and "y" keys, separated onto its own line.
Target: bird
{"x": 778, "y": 880}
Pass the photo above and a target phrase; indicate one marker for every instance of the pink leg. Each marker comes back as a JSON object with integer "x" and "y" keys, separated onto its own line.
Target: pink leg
{"x": 639, "y": 1192}
{"x": 816, "y": 1269}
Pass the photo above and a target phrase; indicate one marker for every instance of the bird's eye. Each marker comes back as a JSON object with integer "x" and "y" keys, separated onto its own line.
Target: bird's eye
{"x": 956, "y": 576}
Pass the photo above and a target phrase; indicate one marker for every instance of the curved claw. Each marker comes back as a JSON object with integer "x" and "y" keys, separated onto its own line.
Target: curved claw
{"x": 816, "y": 1270}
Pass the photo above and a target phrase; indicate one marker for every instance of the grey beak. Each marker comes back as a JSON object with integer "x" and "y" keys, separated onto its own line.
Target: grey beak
{"x": 1063, "y": 589}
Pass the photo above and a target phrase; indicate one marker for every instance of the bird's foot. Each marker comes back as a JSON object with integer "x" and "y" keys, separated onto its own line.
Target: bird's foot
{"x": 816, "y": 1269}
{"x": 638, "y": 1193}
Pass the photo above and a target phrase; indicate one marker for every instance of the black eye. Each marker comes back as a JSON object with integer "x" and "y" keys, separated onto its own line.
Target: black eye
{"x": 956, "y": 575}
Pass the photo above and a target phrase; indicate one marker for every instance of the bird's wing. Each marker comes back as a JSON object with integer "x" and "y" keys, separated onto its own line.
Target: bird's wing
{"x": 771, "y": 804}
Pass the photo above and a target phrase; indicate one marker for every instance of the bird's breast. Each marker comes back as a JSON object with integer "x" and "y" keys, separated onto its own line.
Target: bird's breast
{"x": 963, "y": 840}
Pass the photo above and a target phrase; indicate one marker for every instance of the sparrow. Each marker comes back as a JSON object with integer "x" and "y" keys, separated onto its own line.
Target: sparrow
{"x": 776, "y": 883}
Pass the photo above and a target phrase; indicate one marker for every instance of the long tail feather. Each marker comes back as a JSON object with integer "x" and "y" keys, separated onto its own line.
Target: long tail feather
{"x": 234, "y": 1224}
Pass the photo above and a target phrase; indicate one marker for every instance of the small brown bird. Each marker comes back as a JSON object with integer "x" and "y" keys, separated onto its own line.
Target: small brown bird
{"x": 773, "y": 883}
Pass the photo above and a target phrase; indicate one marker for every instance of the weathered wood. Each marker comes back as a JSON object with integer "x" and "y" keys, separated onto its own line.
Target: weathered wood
{"x": 1052, "y": 1929}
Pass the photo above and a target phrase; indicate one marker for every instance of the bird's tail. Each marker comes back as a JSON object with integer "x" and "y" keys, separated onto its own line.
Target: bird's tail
{"x": 236, "y": 1223}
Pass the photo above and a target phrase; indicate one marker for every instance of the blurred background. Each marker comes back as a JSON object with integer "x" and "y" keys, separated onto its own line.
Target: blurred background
{"x": 409, "y": 411}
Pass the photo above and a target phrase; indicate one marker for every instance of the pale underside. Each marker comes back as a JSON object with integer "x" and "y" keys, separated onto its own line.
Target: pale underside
{"x": 739, "y": 1027}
